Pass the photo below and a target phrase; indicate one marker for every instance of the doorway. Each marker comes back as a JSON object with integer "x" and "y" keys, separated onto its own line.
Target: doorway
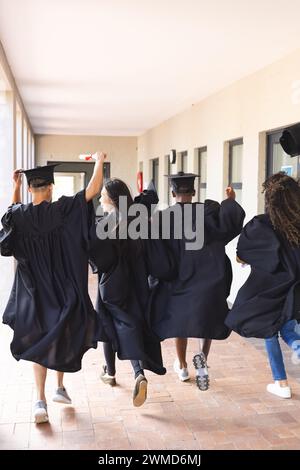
{"x": 71, "y": 177}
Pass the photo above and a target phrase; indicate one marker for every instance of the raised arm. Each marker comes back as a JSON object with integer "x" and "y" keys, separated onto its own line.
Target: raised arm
{"x": 17, "y": 179}
{"x": 230, "y": 193}
{"x": 96, "y": 181}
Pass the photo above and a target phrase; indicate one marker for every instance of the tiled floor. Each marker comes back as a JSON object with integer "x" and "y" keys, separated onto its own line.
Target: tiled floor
{"x": 236, "y": 413}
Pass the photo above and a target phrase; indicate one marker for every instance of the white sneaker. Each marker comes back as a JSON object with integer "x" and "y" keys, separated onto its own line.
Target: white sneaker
{"x": 183, "y": 374}
{"x": 61, "y": 396}
{"x": 276, "y": 389}
{"x": 40, "y": 412}
{"x": 106, "y": 378}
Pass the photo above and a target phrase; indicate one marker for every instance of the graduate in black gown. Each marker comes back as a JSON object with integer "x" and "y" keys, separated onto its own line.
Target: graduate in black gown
{"x": 49, "y": 308}
{"x": 124, "y": 297}
{"x": 268, "y": 304}
{"x": 194, "y": 305}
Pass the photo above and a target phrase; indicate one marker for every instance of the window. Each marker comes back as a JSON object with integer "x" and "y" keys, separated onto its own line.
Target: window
{"x": 183, "y": 162}
{"x": 170, "y": 168}
{"x": 6, "y": 170}
{"x": 29, "y": 154}
{"x": 106, "y": 171}
{"x": 235, "y": 167}
{"x": 32, "y": 151}
{"x": 201, "y": 169}
{"x": 19, "y": 137}
{"x": 278, "y": 160}
{"x": 25, "y": 145}
{"x": 167, "y": 171}
{"x": 26, "y": 196}
{"x": 155, "y": 174}
{"x": 6, "y": 167}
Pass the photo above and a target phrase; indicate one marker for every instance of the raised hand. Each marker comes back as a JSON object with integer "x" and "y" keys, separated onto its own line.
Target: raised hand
{"x": 99, "y": 156}
{"x": 230, "y": 193}
{"x": 17, "y": 178}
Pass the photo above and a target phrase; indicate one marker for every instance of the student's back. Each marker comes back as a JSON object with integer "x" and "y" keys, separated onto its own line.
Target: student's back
{"x": 194, "y": 304}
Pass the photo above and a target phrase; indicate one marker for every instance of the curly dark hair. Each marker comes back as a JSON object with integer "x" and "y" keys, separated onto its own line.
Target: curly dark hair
{"x": 282, "y": 196}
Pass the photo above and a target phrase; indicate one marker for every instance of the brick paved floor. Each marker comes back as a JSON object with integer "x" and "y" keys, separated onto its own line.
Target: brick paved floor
{"x": 236, "y": 412}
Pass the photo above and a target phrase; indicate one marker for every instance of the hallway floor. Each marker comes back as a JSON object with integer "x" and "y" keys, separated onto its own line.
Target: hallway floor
{"x": 235, "y": 413}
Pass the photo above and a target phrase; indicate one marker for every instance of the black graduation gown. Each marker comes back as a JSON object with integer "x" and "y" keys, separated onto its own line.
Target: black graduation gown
{"x": 49, "y": 308}
{"x": 125, "y": 295}
{"x": 194, "y": 305}
{"x": 270, "y": 296}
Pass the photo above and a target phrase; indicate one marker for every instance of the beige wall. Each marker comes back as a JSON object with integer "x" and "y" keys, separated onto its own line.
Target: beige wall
{"x": 264, "y": 101}
{"x": 122, "y": 152}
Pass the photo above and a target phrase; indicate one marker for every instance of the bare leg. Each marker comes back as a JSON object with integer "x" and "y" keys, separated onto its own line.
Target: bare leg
{"x": 205, "y": 345}
{"x": 40, "y": 374}
{"x": 181, "y": 345}
{"x": 60, "y": 379}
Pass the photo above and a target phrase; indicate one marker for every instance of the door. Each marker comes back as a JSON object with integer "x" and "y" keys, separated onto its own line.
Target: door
{"x": 71, "y": 177}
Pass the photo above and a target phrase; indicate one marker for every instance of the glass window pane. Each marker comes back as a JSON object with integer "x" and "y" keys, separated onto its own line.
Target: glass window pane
{"x": 236, "y": 163}
{"x": 29, "y": 148}
{"x": 26, "y": 195}
{"x": 202, "y": 194}
{"x": 155, "y": 175}
{"x": 5, "y": 142}
{"x": 238, "y": 195}
{"x": 184, "y": 162}
{"x": 283, "y": 162}
{"x": 25, "y": 145}
{"x": 32, "y": 151}
{"x": 171, "y": 171}
{"x": 200, "y": 183}
{"x": 202, "y": 165}
{"x": 19, "y": 137}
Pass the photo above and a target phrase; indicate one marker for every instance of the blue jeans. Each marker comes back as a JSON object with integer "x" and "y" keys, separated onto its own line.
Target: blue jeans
{"x": 292, "y": 339}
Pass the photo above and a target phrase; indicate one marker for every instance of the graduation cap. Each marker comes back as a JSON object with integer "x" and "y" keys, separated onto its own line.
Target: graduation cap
{"x": 182, "y": 182}
{"x": 148, "y": 196}
{"x": 290, "y": 140}
{"x": 44, "y": 175}
{"x": 151, "y": 187}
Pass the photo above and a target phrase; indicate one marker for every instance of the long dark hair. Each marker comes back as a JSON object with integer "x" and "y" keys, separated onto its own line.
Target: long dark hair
{"x": 116, "y": 188}
{"x": 282, "y": 196}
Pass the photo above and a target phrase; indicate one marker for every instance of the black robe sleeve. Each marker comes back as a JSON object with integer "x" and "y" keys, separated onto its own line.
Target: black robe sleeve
{"x": 71, "y": 206}
{"x": 103, "y": 255}
{"x": 223, "y": 221}
{"x": 258, "y": 245}
{"x": 160, "y": 261}
{"x": 7, "y": 232}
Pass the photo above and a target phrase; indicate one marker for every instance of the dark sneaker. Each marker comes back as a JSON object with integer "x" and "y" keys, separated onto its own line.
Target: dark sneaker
{"x": 140, "y": 390}
{"x": 202, "y": 377}
{"x": 107, "y": 379}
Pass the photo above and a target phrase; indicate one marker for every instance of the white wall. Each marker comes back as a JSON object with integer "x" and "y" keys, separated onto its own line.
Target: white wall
{"x": 264, "y": 101}
{"x": 121, "y": 151}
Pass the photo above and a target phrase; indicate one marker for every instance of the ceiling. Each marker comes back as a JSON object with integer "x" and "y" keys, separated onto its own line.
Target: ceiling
{"x": 120, "y": 67}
